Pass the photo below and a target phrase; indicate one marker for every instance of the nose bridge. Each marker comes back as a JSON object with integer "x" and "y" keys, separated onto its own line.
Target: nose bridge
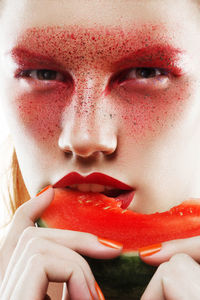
{"x": 87, "y": 103}
{"x": 89, "y": 130}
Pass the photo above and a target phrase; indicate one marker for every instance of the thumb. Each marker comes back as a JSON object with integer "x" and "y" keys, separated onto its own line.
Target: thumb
{"x": 31, "y": 210}
{"x": 36, "y": 206}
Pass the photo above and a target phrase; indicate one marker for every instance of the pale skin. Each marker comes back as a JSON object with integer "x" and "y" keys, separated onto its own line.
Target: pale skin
{"x": 152, "y": 157}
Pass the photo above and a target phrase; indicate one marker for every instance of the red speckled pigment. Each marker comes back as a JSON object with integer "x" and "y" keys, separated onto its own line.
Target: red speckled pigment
{"x": 92, "y": 60}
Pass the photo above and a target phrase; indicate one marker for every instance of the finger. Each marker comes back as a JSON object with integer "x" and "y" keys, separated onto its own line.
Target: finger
{"x": 37, "y": 245}
{"x": 156, "y": 254}
{"x": 82, "y": 242}
{"x": 41, "y": 269}
{"x": 53, "y": 241}
{"x": 174, "y": 280}
{"x": 154, "y": 290}
{"x": 31, "y": 210}
{"x": 25, "y": 216}
{"x": 85, "y": 243}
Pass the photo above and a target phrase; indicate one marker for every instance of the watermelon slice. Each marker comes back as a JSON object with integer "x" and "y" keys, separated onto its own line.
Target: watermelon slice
{"x": 126, "y": 276}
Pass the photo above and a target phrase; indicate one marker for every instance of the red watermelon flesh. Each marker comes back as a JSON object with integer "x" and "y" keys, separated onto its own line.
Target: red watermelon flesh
{"x": 103, "y": 216}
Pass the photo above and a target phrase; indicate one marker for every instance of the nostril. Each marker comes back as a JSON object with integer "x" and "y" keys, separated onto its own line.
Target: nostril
{"x": 109, "y": 151}
{"x": 68, "y": 153}
{"x": 85, "y": 145}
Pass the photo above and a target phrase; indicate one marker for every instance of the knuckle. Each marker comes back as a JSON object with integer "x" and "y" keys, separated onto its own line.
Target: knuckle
{"x": 79, "y": 257}
{"x": 27, "y": 234}
{"x": 80, "y": 260}
{"x": 20, "y": 211}
{"x": 163, "y": 268}
{"x": 36, "y": 260}
{"x": 178, "y": 258}
{"x": 178, "y": 263}
{"x": 84, "y": 264}
{"x": 34, "y": 244}
{"x": 75, "y": 267}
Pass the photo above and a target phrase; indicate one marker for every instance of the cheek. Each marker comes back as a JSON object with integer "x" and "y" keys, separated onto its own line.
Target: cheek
{"x": 147, "y": 113}
{"x": 41, "y": 112}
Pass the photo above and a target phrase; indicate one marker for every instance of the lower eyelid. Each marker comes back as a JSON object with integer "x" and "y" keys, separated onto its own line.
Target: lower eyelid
{"x": 133, "y": 85}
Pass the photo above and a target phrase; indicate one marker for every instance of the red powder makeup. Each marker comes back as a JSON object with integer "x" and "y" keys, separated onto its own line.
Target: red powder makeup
{"x": 92, "y": 61}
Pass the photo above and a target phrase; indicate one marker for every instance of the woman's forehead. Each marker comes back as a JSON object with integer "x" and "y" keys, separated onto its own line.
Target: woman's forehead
{"x": 120, "y": 18}
{"x": 110, "y": 31}
{"x": 99, "y": 12}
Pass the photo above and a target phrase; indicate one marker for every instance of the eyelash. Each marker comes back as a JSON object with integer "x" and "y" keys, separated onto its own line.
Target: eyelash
{"x": 38, "y": 73}
{"x": 122, "y": 76}
{"x": 126, "y": 74}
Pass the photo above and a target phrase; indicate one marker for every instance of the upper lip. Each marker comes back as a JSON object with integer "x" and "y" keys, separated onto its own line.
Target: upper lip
{"x": 95, "y": 178}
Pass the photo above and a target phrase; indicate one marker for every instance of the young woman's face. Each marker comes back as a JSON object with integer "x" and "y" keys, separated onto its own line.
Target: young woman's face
{"x": 121, "y": 97}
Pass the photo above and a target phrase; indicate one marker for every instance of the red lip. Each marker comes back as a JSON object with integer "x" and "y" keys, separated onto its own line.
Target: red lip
{"x": 96, "y": 178}
{"x": 99, "y": 178}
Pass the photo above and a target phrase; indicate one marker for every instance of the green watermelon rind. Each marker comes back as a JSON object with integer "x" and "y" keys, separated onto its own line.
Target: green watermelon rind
{"x": 41, "y": 223}
{"x": 124, "y": 277}
{"x": 121, "y": 278}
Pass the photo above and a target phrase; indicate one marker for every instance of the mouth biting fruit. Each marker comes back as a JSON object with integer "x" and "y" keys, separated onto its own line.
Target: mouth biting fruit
{"x": 109, "y": 191}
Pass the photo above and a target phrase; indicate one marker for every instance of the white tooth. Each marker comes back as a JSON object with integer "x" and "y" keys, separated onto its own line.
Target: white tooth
{"x": 108, "y": 188}
{"x": 97, "y": 188}
{"x": 73, "y": 186}
{"x": 84, "y": 187}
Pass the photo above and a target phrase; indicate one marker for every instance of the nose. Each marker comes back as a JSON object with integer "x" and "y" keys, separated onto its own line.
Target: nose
{"x": 85, "y": 142}
{"x": 87, "y": 127}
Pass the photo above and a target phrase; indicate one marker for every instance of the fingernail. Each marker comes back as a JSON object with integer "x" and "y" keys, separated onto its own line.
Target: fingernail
{"x": 150, "y": 250}
{"x": 44, "y": 189}
{"x": 99, "y": 292}
{"x": 110, "y": 243}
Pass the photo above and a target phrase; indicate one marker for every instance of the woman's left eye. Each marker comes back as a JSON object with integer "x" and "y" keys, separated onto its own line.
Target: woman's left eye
{"x": 43, "y": 74}
{"x": 141, "y": 73}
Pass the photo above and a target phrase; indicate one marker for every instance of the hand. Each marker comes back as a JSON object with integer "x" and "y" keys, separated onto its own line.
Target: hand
{"x": 178, "y": 274}
{"x": 31, "y": 257}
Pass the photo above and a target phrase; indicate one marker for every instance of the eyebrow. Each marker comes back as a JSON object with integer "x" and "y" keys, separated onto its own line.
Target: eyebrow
{"x": 162, "y": 56}
{"x": 27, "y": 58}
{"x": 159, "y": 55}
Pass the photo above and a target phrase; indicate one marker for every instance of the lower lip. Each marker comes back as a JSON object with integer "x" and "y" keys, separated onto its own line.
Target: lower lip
{"x": 125, "y": 199}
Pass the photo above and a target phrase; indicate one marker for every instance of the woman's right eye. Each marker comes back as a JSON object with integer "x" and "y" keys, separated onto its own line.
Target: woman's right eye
{"x": 142, "y": 73}
{"x": 43, "y": 75}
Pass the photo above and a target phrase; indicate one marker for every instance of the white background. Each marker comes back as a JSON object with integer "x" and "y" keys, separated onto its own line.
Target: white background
{"x": 3, "y": 129}
{"x": 3, "y": 133}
